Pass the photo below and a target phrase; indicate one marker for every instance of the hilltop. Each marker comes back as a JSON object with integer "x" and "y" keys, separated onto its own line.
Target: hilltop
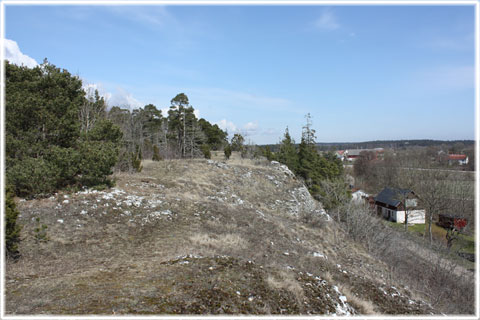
{"x": 197, "y": 237}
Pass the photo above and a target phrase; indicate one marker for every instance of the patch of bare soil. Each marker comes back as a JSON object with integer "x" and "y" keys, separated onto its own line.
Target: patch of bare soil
{"x": 195, "y": 237}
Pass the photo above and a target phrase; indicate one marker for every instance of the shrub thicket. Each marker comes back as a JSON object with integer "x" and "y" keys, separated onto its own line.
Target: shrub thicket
{"x": 227, "y": 151}
{"x": 427, "y": 271}
{"x": 156, "y": 154}
{"x": 317, "y": 170}
{"x": 12, "y": 229}
{"x": 206, "y": 151}
{"x": 56, "y": 136}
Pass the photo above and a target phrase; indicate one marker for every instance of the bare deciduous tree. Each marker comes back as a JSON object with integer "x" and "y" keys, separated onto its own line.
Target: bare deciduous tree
{"x": 93, "y": 109}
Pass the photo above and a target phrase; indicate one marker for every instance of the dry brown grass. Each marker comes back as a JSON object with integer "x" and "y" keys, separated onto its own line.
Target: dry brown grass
{"x": 286, "y": 281}
{"x": 114, "y": 260}
{"x": 222, "y": 242}
{"x": 363, "y": 306}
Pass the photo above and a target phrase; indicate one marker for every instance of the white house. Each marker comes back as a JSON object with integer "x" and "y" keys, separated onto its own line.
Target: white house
{"x": 392, "y": 204}
{"x": 359, "y": 196}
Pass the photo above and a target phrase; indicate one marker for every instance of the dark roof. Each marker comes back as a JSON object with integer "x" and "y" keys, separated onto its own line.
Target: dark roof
{"x": 451, "y": 215}
{"x": 392, "y": 196}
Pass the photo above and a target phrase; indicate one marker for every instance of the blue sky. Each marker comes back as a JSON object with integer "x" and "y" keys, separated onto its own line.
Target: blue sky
{"x": 362, "y": 72}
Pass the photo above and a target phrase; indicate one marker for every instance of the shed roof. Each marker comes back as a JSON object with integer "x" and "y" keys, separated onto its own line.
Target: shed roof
{"x": 457, "y": 156}
{"x": 356, "y": 152}
{"x": 392, "y": 196}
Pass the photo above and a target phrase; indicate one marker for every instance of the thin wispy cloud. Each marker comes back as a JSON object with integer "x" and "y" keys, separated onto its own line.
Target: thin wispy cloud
{"x": 14, "y": 55}
{"x": 327, "y": 21}
{"x": 155, "y": 16}
{"x": 271, "y": 132}
{"x": 250, "y": 129}
{"x": 79, "y": 13}
{"x": 447, "y": 78}
{"x": 245, "y": 100}
{"x": 452, "y": 43}
{"x": 251, "y": 126}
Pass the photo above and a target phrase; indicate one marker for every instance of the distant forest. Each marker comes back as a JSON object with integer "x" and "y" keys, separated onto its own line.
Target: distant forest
{"x": 395, "y": 144}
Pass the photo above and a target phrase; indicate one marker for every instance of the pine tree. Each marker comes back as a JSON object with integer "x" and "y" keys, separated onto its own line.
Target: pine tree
{"x": 12, "y": 229}
{"x": 215, "y": 136}
{"x": 179, "y": 135}
{"x": 55, "y": 135}
{"x": 237, "y": 143}
{"x": 307, "y": 153}
{"x": 268, "y": 154}
{"x": 137, "y": 159}
{"x": 227, "y": 150}
{"x": 177, "y": 121}
{"x": 206, "y": 151}
{"x": 288, "y": 153}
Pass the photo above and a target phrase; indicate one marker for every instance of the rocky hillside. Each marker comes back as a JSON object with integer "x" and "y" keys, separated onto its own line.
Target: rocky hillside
{"x": 195, "y": 237}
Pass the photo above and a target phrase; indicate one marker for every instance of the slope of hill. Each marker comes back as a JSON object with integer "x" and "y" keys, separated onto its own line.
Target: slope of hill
{"x": 196, "y": 236}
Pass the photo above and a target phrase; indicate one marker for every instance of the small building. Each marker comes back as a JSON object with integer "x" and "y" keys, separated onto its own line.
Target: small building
{"x": 461, "y": 159}
{"x": 362, "y": 198}
{"x": 359, "y": 196}
{"x": 340, "y": 154}
{"x": 393, "y": 203}
{"x": 353, "y": 154}
{"x": 450, "y": 221}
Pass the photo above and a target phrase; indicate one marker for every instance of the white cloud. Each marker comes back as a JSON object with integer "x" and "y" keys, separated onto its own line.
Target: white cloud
{"x": 227, "y": 125}
{"x": 91, "y": 87}
{"x": 250, "y": 127}
{"x": 327, "y": 21}
{"x": 165, "y": 111}
{"x": 120, "y": 97}
{"x": 196, "y": 112}
{"x": 124, "y": 99}
{"x": 15, "y": 56}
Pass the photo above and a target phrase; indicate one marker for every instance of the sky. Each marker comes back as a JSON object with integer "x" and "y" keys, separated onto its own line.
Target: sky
{"x": 362, "y": 72}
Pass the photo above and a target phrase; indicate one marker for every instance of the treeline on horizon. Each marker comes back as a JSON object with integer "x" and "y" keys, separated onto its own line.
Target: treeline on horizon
{"x": 395, "y": 144}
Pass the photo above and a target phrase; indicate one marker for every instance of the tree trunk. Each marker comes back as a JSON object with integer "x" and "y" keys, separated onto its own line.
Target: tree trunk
{"x": 184, "y": 129}
{"x": 430, "y": 219}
